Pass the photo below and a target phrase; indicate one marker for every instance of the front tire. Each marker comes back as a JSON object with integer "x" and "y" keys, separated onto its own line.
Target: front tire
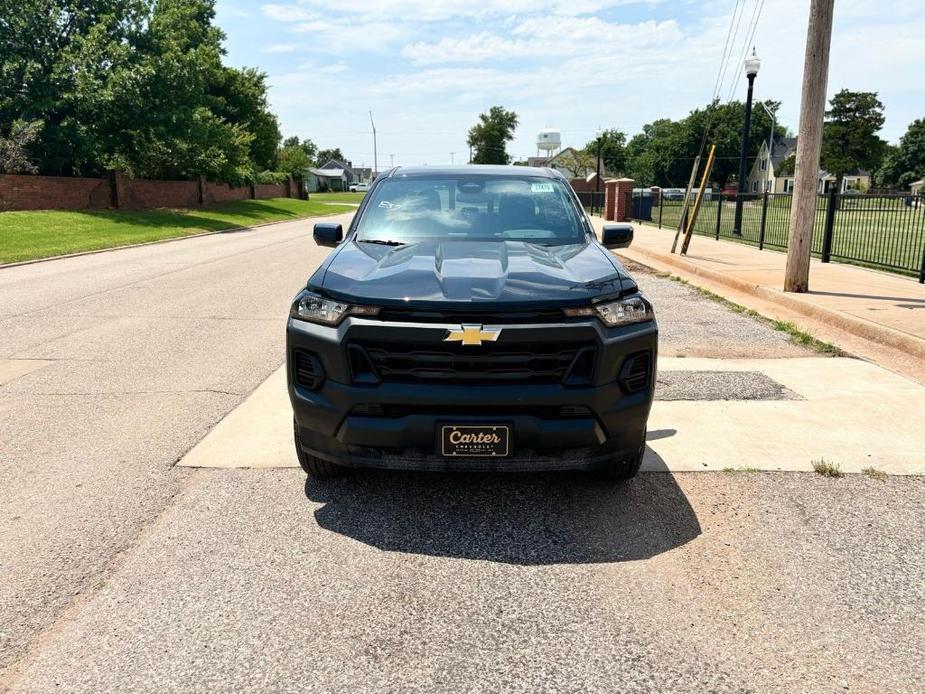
{"x": 622, "y": 469}
{"x": 313, "y": 465}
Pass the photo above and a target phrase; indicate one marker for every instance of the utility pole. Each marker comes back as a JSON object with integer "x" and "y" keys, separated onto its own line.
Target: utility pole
{"x": 809, "y": 145}
{"x": 391, "y": 161}
{"x": 451, "y": 158}
{"x": 375, "y": 154}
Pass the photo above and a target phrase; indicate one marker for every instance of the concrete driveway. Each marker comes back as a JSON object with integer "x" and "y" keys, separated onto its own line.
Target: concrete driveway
{"x": 123, "y": 572}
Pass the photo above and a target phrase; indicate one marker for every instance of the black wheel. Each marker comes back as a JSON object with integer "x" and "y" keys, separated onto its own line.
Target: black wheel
{"x": 314, "y": 466}
{"x": 622, "y": 469}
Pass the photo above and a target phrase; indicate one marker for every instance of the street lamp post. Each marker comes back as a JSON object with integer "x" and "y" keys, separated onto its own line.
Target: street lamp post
{"x": 752, "y": 64}
{"x": 597, "y": 179}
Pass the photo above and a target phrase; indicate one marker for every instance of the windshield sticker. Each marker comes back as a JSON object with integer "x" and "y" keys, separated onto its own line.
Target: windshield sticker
{"x": 389, "y": 205}
{"x": 541, "y": 187}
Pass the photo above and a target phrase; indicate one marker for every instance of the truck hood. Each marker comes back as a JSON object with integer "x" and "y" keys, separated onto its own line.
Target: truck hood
{"x": 501, "y": 272}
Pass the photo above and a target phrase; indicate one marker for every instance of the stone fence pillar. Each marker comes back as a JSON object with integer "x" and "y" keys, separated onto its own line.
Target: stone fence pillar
{"x": 656, "y": 196}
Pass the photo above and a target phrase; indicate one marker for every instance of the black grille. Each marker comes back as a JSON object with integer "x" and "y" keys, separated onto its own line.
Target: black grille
{"x": 493, "y": 413}
{"x": 636, "y": 372}
{"x": 491, "y": 363}
{"x": 536, "y": 315}
{"x": 307, "y": 370}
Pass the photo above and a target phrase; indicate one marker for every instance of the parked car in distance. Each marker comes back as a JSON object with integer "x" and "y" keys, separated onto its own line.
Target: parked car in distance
{"x": 470, "y": 319}
{"x": 359, "y": 187}
{"x": 673, "y": 193}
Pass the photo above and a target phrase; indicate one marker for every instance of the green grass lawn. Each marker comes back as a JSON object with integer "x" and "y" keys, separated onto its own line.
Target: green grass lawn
{"x": 42, "y": 233}
{"x": 886, "y": 234}
{"x": 348, "y": 198}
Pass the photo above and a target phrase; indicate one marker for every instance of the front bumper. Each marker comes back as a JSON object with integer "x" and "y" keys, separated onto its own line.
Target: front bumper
{"x": 395, "y": 424}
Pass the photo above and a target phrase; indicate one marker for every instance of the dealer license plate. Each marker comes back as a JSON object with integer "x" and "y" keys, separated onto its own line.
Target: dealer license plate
{"x": 482, "y": 440}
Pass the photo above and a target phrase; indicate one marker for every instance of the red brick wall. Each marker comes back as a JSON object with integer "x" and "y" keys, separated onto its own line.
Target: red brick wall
{"x": 67, "y": 193}
{"x": 581, "y": 185}
{"x": 53, "y": 192}
{"x": 270, "y": 190}
{"x": 139, "y": 193}
{"x": 222, "y": 192}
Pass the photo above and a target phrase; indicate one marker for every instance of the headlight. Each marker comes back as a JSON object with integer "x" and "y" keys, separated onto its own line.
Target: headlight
{"x": 317, "y": 309}
{"x": 633, "y": 309}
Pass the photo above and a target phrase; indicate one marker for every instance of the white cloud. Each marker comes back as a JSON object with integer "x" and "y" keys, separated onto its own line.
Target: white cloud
{"x": 538, "y": 38}
{"x": 278, "y": 48}
{"x": 441, "y": 10}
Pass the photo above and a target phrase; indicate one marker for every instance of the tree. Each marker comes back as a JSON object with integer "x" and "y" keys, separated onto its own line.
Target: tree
{"x": 576, "y": 162}
{"x": 14, "y": 149}
{"x": 664, "y": 152}
{"x": 306, "y": 145}
{"x": 133, "y": 84}
{"x": 294, "y": 156}
{"x": 613, "y": 151}
{"x": 849, "y": 135}
{"x": 240, "y": 96}
{"x": 489, "y": 137}
{"x": 326, "y": 155}
{"x": 905, "y": 164}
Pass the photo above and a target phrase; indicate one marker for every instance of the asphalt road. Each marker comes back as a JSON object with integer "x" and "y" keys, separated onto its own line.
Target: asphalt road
{"x": 123, "y": 573}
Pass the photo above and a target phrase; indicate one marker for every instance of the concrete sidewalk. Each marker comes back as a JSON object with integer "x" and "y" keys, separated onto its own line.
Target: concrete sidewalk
{"x": 871, "y": 314}
{"x": 843, "y": 410}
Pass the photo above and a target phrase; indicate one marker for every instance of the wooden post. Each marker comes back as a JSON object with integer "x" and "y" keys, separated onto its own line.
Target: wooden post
{"x": 687, "y": 199}
{"x": 703, "y": 186}
{"x": 809, "y": 146}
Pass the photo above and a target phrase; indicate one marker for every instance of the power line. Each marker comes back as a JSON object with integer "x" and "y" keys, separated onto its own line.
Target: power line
{"x": 722, "y": 61}
{"x": 737, "y": 21}
{"x": 749, "y": 36}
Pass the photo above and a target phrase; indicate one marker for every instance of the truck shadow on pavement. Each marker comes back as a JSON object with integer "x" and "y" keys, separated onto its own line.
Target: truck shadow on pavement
{"x": 528, "y": 519}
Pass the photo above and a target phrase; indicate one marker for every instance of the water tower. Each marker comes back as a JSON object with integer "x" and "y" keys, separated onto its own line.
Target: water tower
{"x": 548, "y": 140}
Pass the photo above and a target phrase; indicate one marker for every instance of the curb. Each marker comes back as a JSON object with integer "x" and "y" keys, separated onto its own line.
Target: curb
{"x": 836, "y": 319}
{"x": 20, "y": 263}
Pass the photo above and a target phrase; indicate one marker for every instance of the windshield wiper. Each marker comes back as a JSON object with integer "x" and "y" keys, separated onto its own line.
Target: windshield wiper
{"x": 383, "y": 242}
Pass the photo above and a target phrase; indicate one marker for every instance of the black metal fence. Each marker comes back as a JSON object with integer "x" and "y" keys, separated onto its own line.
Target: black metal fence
{"x": 880, "y": 231}
{"x": 593, "y": 202}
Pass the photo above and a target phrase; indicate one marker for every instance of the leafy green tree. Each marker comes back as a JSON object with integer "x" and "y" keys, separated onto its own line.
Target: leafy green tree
{"x": 54, "y": 61}
{"x": 15, "y": 157}
{"x": 489, "y": 137}
{"x": 135, "y": 84}
{"x": 326, "y": 155}
{"x": 306, "y": 145}
{"x": 664, "y": 152}
{"x": 849, "y": 135}
{"x": 576, "y": 162}
{"x": 294, "y": 156}
{"x": 613, "y": 151}
{"x": 240, "y": 96}
{"x": 905, "y": 164}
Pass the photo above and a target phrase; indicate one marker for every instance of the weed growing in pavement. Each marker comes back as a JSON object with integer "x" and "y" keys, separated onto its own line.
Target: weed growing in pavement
{"x": 741, "y": 469}
{"x": 875, "y": 474}
{"x": 827, "y": 469}
{"x": 796, "y": 335}
{"x": 805, "y": 339}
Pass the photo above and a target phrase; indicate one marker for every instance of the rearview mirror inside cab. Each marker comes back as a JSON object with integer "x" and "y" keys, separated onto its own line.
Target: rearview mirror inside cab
{"x": 328, "y": 234}
{"x": 617, "y": 235}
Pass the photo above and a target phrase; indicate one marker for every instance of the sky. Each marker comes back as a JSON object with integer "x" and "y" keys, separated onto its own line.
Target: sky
{"x": 427, "y": 68}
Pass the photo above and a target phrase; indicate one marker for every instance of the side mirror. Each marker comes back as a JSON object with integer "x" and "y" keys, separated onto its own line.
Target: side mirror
{"x": 328, "y": 234}
{"x": 617, "y": 235}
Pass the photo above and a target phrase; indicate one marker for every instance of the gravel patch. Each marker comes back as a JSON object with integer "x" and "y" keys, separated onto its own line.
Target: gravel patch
{"x": 694, "y": 326}
{"x": 720, "y": 385}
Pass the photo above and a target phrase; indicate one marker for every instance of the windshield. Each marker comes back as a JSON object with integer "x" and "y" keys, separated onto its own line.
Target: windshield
{"x": 471, "y": 207}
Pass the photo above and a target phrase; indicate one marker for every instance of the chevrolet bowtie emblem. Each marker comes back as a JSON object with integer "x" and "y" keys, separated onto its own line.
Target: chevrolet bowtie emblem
{"x": 471, "y": 335}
